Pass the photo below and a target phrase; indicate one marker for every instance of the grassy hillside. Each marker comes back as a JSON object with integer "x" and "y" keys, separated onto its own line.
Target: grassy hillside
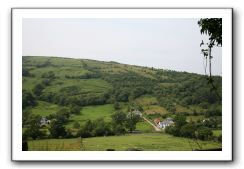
{"x": 82, "y": 93}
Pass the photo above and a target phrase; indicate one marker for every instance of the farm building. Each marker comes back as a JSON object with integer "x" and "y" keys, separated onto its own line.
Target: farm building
{"x": 44, "y": 121}
{"x": 165, "y": 123}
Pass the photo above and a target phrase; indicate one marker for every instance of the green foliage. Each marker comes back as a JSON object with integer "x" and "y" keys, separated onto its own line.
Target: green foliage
{"x": 87, "y": 129}
{"x": 49, "y": 75}
{"x": 28, "y": 99}
{"x": 116, "y": 106}
{"x": 76, "y": 125}
{"x": 33, "y": 127}
{"x": 62, "y": 86}
{"x": 38, "y": 89}
{"x": 75, "y": 109}
{"x": 213, "y": 28}
{"x": 118, "y": 122}
{"x": 102, "y": 128}
{"x": 204, "y": 133}
{"x": 63, "y": 115}
{"x": 131, "y": 121}
{"x": 179, "y": 120}
{"x": 57, "y": 130}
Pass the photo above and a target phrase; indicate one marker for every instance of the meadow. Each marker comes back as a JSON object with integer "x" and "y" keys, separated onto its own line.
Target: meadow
{"x": 146, "y": 142}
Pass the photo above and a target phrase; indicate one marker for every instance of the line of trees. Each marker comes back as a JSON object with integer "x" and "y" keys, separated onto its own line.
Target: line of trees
{"x": 196, "y": 130}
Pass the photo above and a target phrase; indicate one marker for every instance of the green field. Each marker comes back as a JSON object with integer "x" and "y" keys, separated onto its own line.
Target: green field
{"x": 144, "y": 127}
{"x": 146, "y": 142}
{"x": 45, "y": 108}
{"x": 217, "y": 133}
{"x": 92, "y": 113}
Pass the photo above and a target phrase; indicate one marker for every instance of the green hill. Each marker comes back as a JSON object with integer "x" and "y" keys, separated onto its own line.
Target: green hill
{"x": 66, "y": 81}
{"x": 54, "y": 85}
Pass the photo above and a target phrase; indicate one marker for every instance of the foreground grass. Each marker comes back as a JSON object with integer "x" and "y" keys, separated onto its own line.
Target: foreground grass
{"x": 55, "y": 145}
{"x": 146, "y": 142}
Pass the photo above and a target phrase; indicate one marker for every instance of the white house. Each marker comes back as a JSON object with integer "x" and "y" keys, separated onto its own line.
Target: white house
{"x": 44, "y": 121}
{"x": 165, "y": 123}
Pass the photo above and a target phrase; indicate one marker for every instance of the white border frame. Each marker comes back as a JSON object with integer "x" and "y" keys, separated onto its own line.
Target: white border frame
{"x": 19, "y": 155}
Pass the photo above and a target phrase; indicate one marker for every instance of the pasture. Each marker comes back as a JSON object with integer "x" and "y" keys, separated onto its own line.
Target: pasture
{"x": 145, "y": 142}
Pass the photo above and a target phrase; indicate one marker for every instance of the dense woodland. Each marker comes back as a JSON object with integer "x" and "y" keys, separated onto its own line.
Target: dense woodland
{"x": 72, "y": 84}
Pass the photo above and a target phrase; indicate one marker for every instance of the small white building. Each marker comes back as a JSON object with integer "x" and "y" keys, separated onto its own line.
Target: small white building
{"x": 165, "y": 123}
{"x": 44, "y": 121}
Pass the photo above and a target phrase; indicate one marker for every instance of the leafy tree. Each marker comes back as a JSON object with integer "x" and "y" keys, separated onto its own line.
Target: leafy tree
{"x": 57, "y": 129}
{"x": 116, "y": 106}
{"x": 76, "y": 125}
{"x": 204, "y": 133}
{"x": 38, "y": 89}
{"x": 180, "y": 120}
{"x": 102, "y": 128}
{"x": 63, "y": 115}
{"x": 75, "y": 109}
{"x": 33, "y": 130}
{"x": 118, "y": 117}
{"x": 188, "y": 130}
{"x": 28, "y": 99}
{"x": 87, "y": 129}
{"x": 213, "y": 28}
{"x": 49, "y": 75}
{"x": 118, "y": 122}
{"x": 131, "y": 121}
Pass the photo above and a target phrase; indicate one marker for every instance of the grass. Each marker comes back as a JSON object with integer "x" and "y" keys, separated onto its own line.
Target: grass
{"x": 55, "y": 145}
{"x": 180, "y": 109}
{"x": 217, "y": 133}
{"x": 146, "y": 142}
{"x": 194, "y": 118}
{"x": 92, "y": 113}
{"x": 144, "y": 127}
{"x": 146, "y": 100}
{"x": 152, "y": 109}
{"x": 85, "y": 85}
{"x": 45, "y": 108}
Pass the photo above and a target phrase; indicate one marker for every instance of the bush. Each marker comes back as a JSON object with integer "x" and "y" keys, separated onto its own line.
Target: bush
{"x": 204, "y": 133}
{"x": 57, "y": 129}
{"x": 188, "y": 130}
{"x": 76, "y": 125}
{"x": 28, "y": 99}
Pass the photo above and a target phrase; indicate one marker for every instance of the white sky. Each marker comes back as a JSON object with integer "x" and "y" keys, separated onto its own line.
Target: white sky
{"x": 161, "y": 43}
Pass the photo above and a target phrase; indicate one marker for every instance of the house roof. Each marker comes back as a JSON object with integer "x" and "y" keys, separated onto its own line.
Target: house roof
{"x": 157, "y": 120}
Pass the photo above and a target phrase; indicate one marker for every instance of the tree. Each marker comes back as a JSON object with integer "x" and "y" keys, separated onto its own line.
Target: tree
{"x": 49, "y": 75}
{"x": 116, "y": 106}
{"x": 76, "y": 125}
{"x": 180, "y": 120}
{"x": 87, "y": 129}
{"x": 75, "y": 109}
{"x": 33, "y": 130}
{"x": 28, "y": 99}
{"x": 213, "y": 28}
{"x": 204, "y": 133}
{"x": 57, "y": 129}
{"x": 38, "y": 89}
{"x": 102, "y": 128}
{"x": 131, "y": 121}
{"x": 118, "y": 122}
{"x": 188, "y": 130}
{"x": 63, "y": 115}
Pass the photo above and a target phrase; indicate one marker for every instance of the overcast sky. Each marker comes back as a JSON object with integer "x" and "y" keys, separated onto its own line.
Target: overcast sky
{"x": 161, "y": 43}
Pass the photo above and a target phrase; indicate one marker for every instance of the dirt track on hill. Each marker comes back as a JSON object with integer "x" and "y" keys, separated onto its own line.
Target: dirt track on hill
{"x": 155, "y": 127}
